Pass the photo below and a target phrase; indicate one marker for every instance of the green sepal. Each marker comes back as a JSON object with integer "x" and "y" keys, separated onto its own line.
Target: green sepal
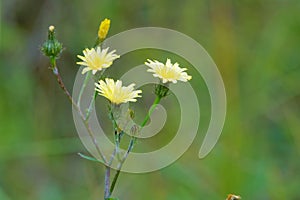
{"x": 161, "y": 90}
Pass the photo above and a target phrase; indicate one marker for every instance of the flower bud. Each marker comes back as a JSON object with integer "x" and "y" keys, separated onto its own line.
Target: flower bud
{"x": 52, "y": 47}
{"x": 51, "y": 28}
{"x": 103, "y": 29}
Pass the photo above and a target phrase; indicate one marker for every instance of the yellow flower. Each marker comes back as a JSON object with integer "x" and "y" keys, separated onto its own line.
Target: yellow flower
{"x": 115, "y": 92}
{"x": 103, "y": 29}
{"x": 96, "y": 60}
{"x": 168, "y": 72}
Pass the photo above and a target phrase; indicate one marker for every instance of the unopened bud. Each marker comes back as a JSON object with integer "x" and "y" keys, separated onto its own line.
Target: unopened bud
{"x": 103, "y": 29}
{"x": 51, "y": 28}
{"x": 52, "y": 47}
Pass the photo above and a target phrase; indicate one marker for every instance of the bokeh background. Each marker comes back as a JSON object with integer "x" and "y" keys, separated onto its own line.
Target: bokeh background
{"x": 256, "y": 46}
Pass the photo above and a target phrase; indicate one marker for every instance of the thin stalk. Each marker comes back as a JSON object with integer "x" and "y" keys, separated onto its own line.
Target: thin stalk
{"x": 117, "y": 132}
{"x": 89, "y": 111}
{"x": 113, "y": 184}
{"x": 130, "y": 147}
{"x": 107, "y": 183}
{"x": 86, "y": 124}
{"x": 131, "y": 144}
{"x": 86, "y": 79}
{"x": 90, "y": 108}
{"x": 155, "y": 102}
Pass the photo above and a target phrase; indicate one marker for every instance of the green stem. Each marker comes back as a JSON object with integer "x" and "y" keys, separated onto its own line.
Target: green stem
{"x": 86, "y": 79}
{"x": 113, "y": 120}
{"x": 113, "y": 184}
{"x": 132, "y": 141}
{"x": 155, "y": 102}
{"x": 89, "y": 111}
{"x": 117, "y": 133}
{"x": 130, "y": 146}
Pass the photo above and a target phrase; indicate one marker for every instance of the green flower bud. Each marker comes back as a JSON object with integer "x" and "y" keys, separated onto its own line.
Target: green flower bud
{"x": 52, "y": 47}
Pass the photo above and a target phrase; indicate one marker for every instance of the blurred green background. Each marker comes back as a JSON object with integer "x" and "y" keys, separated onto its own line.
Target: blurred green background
{"x": 254, "y": 43}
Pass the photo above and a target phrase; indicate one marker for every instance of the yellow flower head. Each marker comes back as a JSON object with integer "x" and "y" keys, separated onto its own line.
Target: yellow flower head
{"x": 96, "y": 59}
{"x": 115, "y": 92}
{"x": 168, "y": 72}
{"x": 103, "y": 29}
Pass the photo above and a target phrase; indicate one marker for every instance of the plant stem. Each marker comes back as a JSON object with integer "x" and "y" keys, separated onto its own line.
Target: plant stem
{"x": 132, "y": 141}
{"x": 114, "y": 181}
{"x": 130, "y": 146}
{"x": 107, "y": 182}
{"x": 117, "y": 134}
{"x": 86, "y": 124}
{"x": 86, "y": 79}
{"x": 89, "y": 111}
{"x": 155, "y": 102}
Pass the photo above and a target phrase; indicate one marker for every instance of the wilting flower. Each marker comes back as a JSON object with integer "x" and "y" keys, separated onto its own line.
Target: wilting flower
{"x": 103, "y": 29}
{"x": 96, "y": 60}
{"x": 115, "y": 92}
{"x": 167, "y": 72}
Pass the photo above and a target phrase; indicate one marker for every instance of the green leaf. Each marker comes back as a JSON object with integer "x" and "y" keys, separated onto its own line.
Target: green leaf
{"x": 111, "y": 198}
{"x": 90, "y": 158}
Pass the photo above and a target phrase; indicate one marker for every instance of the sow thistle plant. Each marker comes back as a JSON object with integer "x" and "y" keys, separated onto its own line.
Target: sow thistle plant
{"x": 95, "y": 61}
